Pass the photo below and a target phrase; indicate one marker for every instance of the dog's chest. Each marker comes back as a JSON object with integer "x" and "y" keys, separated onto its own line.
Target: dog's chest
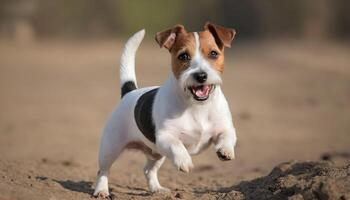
{"x": 197, "y": 128}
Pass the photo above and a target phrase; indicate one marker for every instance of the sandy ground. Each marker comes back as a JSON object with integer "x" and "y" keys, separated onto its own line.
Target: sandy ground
{"x": 290, "y": 101}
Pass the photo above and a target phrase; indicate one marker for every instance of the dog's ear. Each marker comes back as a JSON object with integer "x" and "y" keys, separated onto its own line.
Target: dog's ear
{"x": 223, "y": 36}
{"x": 167, "y": 37}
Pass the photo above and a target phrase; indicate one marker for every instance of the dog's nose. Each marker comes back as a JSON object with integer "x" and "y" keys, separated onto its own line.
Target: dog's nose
{"x": 200, "y": 77}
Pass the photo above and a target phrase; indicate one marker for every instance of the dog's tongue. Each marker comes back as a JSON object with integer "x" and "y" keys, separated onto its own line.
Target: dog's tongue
{"x": 202, "y": 91}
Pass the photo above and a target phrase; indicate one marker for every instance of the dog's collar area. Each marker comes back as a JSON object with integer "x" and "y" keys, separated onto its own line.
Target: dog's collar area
{"x": 201, "y": 92}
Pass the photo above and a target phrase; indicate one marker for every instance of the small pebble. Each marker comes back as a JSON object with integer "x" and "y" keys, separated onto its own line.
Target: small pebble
{"x": 66, "y": 163}
{"x": 179, "y": 195}
{"x": 326, "y": 156}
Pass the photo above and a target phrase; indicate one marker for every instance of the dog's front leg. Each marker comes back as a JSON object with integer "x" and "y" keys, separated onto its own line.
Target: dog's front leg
{"x": 170, "y": 146}
{"x": 225, "y": 144}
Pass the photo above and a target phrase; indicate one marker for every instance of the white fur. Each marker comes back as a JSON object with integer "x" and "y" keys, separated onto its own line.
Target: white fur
{"x": 198, "y": 63}
{"x": 183, "y": 127}
{"x": 127, "y": 60}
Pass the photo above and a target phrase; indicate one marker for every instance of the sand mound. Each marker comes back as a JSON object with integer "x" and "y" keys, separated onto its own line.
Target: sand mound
{"x": 292, "y": 180}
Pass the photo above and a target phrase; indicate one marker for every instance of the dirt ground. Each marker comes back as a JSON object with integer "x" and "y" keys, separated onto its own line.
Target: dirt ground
{"x": 289, "y": 100}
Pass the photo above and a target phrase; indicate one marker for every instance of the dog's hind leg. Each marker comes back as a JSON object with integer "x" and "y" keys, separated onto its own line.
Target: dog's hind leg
{"x": 109, "y": 152}
{"x": 151, "y": 173}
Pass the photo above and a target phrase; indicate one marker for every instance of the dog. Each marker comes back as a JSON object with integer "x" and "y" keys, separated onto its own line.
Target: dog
{"x": 178, "y": 119}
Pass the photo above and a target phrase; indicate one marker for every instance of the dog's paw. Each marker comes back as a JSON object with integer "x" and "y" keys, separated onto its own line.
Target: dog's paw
{"x": 104, "y": 194}
{"x": 184, "y": 163}
{"x": 225, "y": 154}
{"x": 160, "y": 189}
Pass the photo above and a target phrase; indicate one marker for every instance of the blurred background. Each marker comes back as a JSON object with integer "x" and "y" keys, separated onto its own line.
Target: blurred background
{"x": 36, "y": 19}
{"x": 287, "y": 80}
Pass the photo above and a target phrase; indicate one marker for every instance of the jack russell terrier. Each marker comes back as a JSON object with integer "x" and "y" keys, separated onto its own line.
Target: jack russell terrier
{"x": 181, "y": 117}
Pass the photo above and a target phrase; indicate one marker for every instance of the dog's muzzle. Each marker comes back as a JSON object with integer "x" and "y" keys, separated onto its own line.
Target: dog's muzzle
{"x": 200, "y": 77}
{"x": 201, "y": 92}
{"x": 200, "y": 88}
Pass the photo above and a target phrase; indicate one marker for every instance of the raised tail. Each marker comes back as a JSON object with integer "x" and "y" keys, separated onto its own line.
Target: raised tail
{"x": 127, "y": 63}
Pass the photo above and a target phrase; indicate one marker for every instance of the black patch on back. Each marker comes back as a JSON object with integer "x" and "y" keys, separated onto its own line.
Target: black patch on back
{"x": 143, "y": 114}
{"x": 128, "y": 87}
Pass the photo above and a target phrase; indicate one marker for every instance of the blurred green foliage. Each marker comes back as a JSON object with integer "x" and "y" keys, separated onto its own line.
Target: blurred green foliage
{"x": 252, "y": 19}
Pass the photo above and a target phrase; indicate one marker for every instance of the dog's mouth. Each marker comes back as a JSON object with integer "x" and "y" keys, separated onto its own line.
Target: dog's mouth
{"x": 201, "y": 92}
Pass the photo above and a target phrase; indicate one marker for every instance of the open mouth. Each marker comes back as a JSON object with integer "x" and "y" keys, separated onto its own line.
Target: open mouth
{"x": 201, "y": 92}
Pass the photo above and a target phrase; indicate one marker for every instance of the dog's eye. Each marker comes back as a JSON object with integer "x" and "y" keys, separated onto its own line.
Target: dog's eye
{"x": 184, "y": 57}
{"x": 213, "y": 54}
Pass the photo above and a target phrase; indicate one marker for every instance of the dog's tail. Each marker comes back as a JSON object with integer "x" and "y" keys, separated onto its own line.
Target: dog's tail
{"x": 127, "y": 63}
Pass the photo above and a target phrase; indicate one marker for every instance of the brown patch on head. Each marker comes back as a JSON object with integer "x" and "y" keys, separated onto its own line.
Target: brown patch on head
{"x": 212, "y": 41}
{"x": 177, "y": 40}
{"x": 207, "y": 46}
{"x": 168, "y": 37}
{"x": 223, "y": 36}
{"x": 185, "y": 43}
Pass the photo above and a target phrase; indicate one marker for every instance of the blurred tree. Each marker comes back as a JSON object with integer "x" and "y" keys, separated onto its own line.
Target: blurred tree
{"x": 316, "y": 18}
{"x": 154, "y": 15}
{"x": 78, "y": 17}
{"x": 252, "y": 19}
{"x": 241, "y": 15}
{"x": 340, "y": 23}
{"x": 279, "y": 18}
{"x": 196, "y": 13}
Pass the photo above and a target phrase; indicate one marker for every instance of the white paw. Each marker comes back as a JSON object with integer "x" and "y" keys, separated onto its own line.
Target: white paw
{"x": 183, "y": 163}
{"x": 101, "y": 189}
{"x": 160, "y": 189}
{"x": 101, "y": 194}
{"x": 225, "y": 154}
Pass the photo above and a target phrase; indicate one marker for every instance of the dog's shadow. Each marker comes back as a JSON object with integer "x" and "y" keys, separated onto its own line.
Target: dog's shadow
{"x": 86, "y": 187}
{"x": 133, "y": 191}
{"x": 77, "y": 186}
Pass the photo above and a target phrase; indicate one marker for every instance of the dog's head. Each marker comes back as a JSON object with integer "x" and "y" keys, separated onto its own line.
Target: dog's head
{"x": 197, "y": 57}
